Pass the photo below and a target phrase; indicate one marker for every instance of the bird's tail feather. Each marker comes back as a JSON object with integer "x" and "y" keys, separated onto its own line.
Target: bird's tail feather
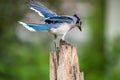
{"x": 35, "y": 27}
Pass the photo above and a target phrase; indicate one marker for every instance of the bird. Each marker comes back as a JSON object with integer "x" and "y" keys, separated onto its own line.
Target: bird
{"x": 53, "y": 23}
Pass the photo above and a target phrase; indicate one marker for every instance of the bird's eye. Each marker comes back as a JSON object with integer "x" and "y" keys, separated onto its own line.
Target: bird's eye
{"x": 77, "y": 22}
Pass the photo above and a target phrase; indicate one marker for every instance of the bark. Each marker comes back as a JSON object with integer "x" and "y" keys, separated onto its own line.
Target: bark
{"x": 64, "y": 64}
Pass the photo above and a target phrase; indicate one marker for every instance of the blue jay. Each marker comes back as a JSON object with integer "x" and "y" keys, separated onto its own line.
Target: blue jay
{"x": 55, "y": 24}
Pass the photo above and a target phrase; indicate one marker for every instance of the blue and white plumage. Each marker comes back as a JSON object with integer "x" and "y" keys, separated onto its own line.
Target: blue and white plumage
{"x": 41, "y": 9}
{"x": 57, "y": 25}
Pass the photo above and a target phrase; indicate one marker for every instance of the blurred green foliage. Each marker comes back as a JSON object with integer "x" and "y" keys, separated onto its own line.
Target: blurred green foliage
{"x": 17, "y": 61}
{"x": 95, "y": 53}
{"x": 30, "y": 61}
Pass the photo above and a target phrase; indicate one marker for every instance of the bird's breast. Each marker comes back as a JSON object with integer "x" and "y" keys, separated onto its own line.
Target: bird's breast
{"x": 61, "y": 29}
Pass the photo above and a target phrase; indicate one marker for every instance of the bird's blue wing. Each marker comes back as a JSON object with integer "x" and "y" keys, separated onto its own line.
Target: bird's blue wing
{"x": 59, "y": 19}
{"x": 41, "y": 9}
{"x": 38, "y": 27}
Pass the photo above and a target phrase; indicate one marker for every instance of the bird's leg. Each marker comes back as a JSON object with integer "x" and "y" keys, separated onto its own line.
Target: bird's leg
{"x": 63, "y": 37}
{"x": 55, "y": 43}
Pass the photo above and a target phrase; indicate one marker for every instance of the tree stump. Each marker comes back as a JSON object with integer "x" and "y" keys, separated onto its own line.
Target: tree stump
{"x": 64, "y": 64}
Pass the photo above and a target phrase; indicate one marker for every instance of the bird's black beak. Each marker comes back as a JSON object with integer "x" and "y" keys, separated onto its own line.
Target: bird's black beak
{"x": 79, "y": 26}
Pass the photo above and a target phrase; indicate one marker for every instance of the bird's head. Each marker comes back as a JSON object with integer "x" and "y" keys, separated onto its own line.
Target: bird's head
{"x": 78, "y": 21}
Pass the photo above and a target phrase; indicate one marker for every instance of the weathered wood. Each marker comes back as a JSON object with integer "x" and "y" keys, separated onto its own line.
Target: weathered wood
{"x": 64, "y": 64}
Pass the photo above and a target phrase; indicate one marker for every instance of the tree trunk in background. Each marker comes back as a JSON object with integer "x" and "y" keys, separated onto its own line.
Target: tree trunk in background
{"x": 95, "y": 52}
{"x": 64, "y": 64}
